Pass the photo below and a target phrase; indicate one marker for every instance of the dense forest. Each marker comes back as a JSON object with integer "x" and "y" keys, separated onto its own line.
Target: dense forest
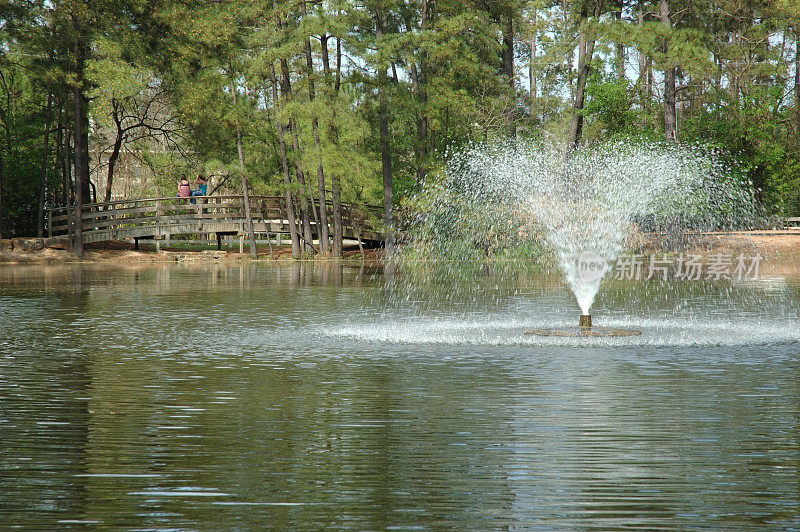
{"x": 359, "y": 100}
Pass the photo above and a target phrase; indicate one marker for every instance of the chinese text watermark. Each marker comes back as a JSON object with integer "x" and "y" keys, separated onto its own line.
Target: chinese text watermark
{"x": 686, "y": 267}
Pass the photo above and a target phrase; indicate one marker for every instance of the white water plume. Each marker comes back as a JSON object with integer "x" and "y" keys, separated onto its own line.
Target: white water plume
{"x": 584, "y": 204}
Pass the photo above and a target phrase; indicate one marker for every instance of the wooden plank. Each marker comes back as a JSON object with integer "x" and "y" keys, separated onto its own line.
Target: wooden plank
{"x": 120, "y": 213}
{"x": 59, "y": 225}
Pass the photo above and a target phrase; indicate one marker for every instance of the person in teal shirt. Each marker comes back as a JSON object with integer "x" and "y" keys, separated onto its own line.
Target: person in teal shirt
{"x": 202, "y": 188}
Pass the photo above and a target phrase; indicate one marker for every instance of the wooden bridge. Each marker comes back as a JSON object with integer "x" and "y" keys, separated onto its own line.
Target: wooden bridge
{"x": 161, "y": 218}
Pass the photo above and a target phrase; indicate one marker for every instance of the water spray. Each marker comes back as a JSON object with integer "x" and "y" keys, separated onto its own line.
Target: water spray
{"x": 583, "y": 207}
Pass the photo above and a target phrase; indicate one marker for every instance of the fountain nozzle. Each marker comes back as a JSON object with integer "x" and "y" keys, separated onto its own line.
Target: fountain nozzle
{"x": 584, "y": 330}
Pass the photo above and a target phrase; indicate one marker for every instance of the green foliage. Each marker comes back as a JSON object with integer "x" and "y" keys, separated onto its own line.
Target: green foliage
{"x": 22, "y": 122}
{"x": 609, "y": 101}
{"x": 735, "y": 65}
{"x": 754, "y": 133}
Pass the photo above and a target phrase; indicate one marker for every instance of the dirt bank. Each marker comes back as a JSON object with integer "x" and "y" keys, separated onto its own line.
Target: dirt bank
{"x": 56, "y": 250}
{"x": 780, "y": 250}
{"x": 777, "y": 243}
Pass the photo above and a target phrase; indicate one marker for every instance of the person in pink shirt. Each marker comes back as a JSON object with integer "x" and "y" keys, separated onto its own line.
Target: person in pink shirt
{"x": 184, "y": 190}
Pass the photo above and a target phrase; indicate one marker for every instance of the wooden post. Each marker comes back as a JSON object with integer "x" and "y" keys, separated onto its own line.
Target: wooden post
{"x": 241, "y": 243}
{"x": 158, "y": 226}
{"x": 50, "y": 223}
{"x": 219, "y": 241}
{"x": 70, "y": 225}
{"x": 114, "y": 220}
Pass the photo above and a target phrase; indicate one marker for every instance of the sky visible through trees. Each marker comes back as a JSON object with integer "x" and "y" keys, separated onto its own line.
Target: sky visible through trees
{"x": 359, "y": 101}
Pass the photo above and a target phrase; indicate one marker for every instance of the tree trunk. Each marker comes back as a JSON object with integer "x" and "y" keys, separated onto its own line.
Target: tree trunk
{"x": 286, "y": 92}
{"x": 585, "y": 52}
{"x": 305, "y": 219}
{"x": 81, "y": 141}
{"x": 251, "y": 235}
{"x": 421, "y": 148}
{"x": 7, "y": 124}
{"x": 286, "y": 89}
{"x": 69, "y": 189}
{"x": 59, "y": 148}
{"x": 326, "y": 67}
{"x": 619, "y": 53}
{"x": 322, "y": 226}
{"x": 112, "y": 162}
{"x": 8, "y": 152}
{"x": 324, "y": 235}
{"x": 508, "y": 68}
{"x": 112, "y": 159}
{"x": 670, "y": 111}
{"x": 420, "y": 81}
{"x": 386, "y": 154}
{"x": 43, "y": 178}
{"x": 1, "y": 194}
{"x": 532, "y": 66}
{"x": 643, "y": 60}
{"x": 314, "y": 211}
{"x": 287, "y": 179}
{"x": 69, "y": 182}
{"x": 338, "y": 227}
{"x": 507, "y": 53}
{"x": 797, "y": 79}
{"x": 568, "y": 59}
{"x": 338, "y": 64}
{"x": 336, "y": 196}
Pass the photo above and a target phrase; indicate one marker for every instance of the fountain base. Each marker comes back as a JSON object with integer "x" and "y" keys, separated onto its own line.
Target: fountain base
{"x": 584, "y": 329}
{"x": 594, "y": 332}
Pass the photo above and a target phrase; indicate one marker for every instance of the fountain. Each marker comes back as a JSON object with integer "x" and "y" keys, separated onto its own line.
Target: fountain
{"x": 584, "y": 206}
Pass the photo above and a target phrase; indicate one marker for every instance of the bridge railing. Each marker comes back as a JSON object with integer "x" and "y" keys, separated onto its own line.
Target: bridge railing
{"x": 116, "y": 215}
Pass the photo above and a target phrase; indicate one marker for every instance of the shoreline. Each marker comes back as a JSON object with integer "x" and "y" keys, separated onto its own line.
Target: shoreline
{"x": 50, "y": 251}
{"x": 776, "y": 245}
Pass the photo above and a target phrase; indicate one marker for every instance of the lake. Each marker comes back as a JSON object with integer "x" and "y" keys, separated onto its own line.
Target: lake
{"x": 317, "y": 396}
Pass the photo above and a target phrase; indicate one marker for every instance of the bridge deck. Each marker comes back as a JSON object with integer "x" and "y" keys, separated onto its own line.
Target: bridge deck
{"x": 210, "y": 215}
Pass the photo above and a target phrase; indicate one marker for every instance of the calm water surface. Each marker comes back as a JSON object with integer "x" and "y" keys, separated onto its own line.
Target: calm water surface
{"x": 304, "y": 397}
